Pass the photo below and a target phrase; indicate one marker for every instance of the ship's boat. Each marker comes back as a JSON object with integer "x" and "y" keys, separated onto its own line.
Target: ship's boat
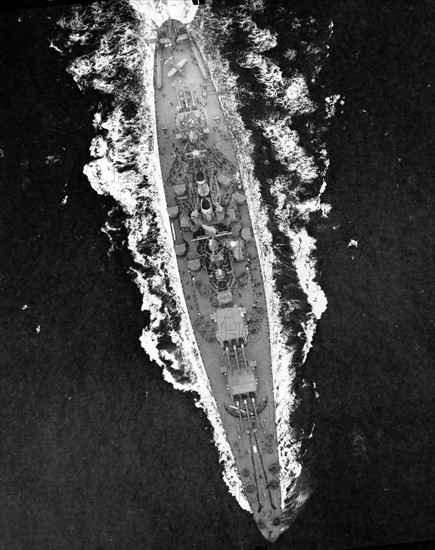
{"x": 218, "y": 263}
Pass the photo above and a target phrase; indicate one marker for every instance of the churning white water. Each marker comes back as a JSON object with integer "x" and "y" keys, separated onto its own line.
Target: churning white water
{"x": 126, "y": 166}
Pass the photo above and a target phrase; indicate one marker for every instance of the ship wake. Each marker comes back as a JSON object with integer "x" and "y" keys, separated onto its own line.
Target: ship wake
{"x": 126, "y": 166}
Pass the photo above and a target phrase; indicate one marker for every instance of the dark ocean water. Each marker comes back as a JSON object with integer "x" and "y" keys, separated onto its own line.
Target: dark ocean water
{"x": 97, "y": 451}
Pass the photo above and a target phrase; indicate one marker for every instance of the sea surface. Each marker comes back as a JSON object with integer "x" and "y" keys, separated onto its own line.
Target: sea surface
{"x": 333, "y": 121}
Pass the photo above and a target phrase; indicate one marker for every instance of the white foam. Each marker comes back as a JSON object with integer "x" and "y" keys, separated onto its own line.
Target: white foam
{"x": 145, "y": 205}
{"x": 159, "y": 11}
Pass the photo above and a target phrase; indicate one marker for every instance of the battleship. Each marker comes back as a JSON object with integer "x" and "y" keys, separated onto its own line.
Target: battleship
{"x": 218, "y": 263}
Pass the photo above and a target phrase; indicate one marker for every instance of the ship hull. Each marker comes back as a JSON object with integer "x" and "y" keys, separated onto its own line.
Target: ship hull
{"x": 218, "y": 263}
